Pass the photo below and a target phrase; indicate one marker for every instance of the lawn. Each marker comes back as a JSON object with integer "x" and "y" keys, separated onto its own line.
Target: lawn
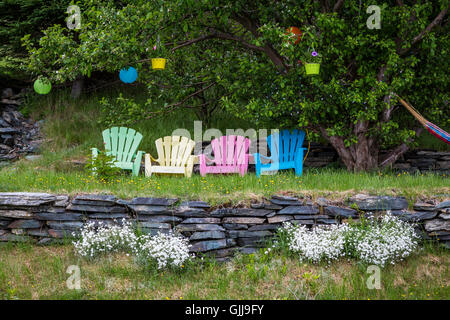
{"x": 30, "y": 272}
{"x": 331, "y": 183}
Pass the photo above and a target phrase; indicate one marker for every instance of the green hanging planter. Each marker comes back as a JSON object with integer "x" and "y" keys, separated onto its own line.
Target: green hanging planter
{"x": 312, "y": 68}
{"x": 42, "y": 86}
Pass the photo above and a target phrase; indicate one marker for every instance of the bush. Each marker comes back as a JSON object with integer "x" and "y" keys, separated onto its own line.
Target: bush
{"x": 102, "y": 166}
{"x": 96, "y": 240}
{"x": 162, "y": 250}
{"x": 319, "y": 243}
{"x": 381, "y": 242}
{"x": 371, "y": 241}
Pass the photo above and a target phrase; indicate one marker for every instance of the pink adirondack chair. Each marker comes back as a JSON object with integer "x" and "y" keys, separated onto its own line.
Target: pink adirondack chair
{"x": 230, "y": 156}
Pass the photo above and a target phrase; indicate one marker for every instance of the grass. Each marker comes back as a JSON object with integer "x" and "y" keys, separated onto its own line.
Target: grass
{"x": 30, "y": 272}
{"x": 45, "y": 176}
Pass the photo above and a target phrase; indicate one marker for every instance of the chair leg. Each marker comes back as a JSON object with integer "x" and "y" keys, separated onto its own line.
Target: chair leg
{"x": 148, "y": 165}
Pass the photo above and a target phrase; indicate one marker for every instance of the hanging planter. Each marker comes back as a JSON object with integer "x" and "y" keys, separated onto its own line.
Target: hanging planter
{"x": 295, "y": 34}
{"x": 312, "y": 68}
{"x": 158, "y": 63}
{"x": 42, "y": 86}
{"x": 128, "y": 75}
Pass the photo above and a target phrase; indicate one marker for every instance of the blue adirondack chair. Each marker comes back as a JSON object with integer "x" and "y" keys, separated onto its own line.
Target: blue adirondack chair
{"x": 286, "y": 152}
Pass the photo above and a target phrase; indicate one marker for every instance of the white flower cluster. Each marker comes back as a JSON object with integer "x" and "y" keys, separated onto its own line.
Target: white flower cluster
{"x": 383, "y": 242}
{"x": 372, "y": 241}
{"x": 165, "y": 249}
{"x": 319, "y": 243}
{"x": 96, "y": 240}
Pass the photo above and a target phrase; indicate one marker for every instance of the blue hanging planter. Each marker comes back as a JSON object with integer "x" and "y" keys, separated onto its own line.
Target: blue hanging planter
{"x": 128, "y": 75}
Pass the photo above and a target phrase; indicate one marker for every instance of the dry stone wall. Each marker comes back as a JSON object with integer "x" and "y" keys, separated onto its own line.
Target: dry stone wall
{"x": 45, "y": 218}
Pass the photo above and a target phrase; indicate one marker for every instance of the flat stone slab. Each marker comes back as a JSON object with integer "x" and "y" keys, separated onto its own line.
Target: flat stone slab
{"x": 260, "y": 227}
{"x": 303, "y": 222}
{"x": 249, "y": 234}
{"x": 16, "y": 214}
{"x": 285, "y": 202}
{"x": 190, "y": 212}
{"x": 299, "y": 210}
{"x": 149, "y": 209}
{"x": 111, "y": 199}
{"x": 443, "y": 205}
{"x": 437, "y": 224}
{"x": 14, "y": 238}
{"x": 40, "y": 232}
{"x": 201, "y": 220}
{"x": 234, "y": 226}
{"x": 25, "y": 199}
{"x": 58, "y": 216}
{"x": 422, "y": 206}
{"x": 195, "y": 204}
{"x": 199, "y": 227}
{"x": 159, "y": 219}
{"x": 378, "y": 203}
{"x": 341, "y": 212}
{"x": 25, "y": 224}
{"x": 280, "y": 219}
{"x": 242, "y": 212}
{"x": 154, "y": 225}
{"x": 99, "y": 209}
{"x": 151, "y": 201}
{"x": 243, "y": 220}
{"x": 208, "y": 245}
{"x": 153, "y": 232}
{"x": 207, "y": 235}
{"x": 65, "y": 225}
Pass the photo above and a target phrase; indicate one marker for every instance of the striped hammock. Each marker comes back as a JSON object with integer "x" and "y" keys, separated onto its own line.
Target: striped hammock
{"x": 432, "y": 128}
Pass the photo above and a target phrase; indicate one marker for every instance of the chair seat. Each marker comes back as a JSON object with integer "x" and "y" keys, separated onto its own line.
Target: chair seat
{"x": 124, "y": 165}
{"x": 168, "y": 169}
{"x": 223, "y": 169}
{"x": 278, "y": 166}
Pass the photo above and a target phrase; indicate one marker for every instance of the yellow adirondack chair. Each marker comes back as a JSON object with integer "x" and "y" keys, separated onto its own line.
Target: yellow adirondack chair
{"x": 174, "y": 156}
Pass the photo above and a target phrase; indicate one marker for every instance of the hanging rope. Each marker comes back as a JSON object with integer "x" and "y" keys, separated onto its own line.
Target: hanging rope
{"x": 431, "y": 128}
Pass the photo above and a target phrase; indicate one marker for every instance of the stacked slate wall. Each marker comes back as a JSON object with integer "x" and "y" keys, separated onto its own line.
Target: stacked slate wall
{"x": 46, "y": 218}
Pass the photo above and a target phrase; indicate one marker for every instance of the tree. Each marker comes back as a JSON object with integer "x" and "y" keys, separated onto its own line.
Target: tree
{"x": 21, "y": 17}
{"x": 260, "y": 73}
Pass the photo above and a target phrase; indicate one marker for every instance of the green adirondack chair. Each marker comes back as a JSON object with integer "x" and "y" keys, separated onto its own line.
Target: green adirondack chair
{"x": 122, "y": 143}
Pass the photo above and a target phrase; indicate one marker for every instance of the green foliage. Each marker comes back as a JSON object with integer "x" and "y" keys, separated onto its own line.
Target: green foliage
{"x": 235, "y": 55}
{"x": 102, "y": 166}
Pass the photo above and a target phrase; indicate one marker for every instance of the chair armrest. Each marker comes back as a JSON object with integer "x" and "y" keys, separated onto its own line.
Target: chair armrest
{"x": 204, "y": 158}
{"x": 261, "y": 156}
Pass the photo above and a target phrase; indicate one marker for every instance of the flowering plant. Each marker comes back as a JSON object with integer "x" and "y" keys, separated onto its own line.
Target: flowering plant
{"x": 371, "y": 241}
{"x": 312, "y": 57}
{"x": 100, "y": 239}
{"x": 162, "y": 250}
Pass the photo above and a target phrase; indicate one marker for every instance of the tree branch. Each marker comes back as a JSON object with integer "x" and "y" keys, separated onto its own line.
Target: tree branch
{"x": 338, "y": 5}
{"x": 422, "y": 34}
{"x": 395, "y": 153}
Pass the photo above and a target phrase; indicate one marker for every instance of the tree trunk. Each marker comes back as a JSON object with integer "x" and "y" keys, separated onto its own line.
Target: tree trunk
{"x": 361, "y": 156}
{"x": 77, "y": 87}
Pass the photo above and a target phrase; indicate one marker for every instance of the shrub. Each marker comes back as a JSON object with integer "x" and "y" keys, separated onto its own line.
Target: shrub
{"x": 381, "y": 241}
{"x": 102, "y": 166}
{"x": 164, "y": 250}
{"x": 319, "y": 243}
{"x": 371, "y": 240}
{"x": 96, "y": 240}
